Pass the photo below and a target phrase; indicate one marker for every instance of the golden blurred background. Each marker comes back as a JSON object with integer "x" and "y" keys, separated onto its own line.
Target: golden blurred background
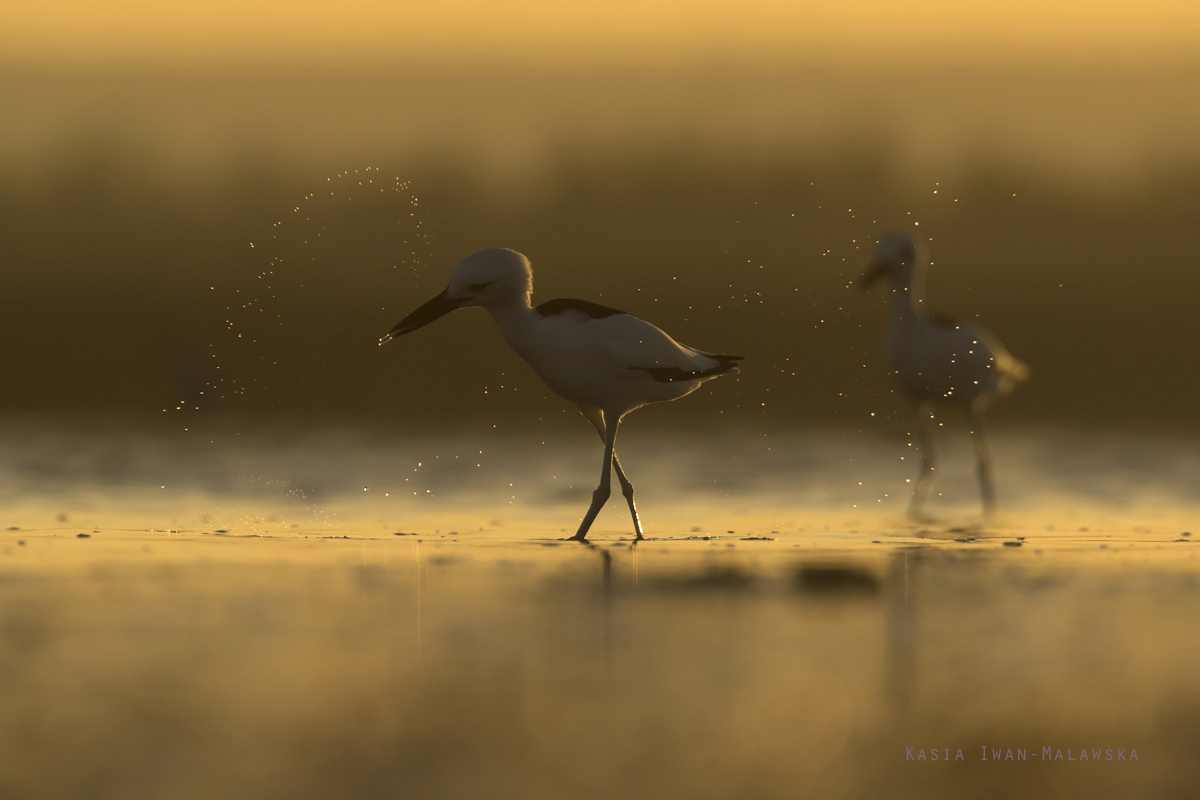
{"x": 718, "y": 168}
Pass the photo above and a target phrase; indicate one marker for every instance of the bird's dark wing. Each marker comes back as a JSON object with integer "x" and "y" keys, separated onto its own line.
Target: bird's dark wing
{"x": 552, "y": 308}
{"x": 943, "y": 320}
{"x": 631, "y": 341}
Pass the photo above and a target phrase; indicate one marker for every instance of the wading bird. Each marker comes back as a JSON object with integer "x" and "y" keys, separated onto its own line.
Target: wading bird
{"x": 938, "y": 360}
{"x": 604, "y": 361}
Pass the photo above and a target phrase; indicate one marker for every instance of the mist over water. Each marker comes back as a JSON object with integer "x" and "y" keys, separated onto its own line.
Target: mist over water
{"x": 524, "y": 480}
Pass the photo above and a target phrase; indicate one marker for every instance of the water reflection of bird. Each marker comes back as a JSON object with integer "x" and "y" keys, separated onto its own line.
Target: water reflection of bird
{"x": 938, "y": 360}
{"x": 604, "y": 361}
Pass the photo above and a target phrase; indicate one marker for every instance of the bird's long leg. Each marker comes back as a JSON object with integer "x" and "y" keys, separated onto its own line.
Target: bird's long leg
{"x": 597, "y": 418}
{"x": 600, "y": 496}
{"x": 983, "y": 455}
{"x": 627, "y": 490}
{"x": 925, "y": 444}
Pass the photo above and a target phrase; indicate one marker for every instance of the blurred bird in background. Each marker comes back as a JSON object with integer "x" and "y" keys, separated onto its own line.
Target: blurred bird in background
{"x": 940, "y": 361}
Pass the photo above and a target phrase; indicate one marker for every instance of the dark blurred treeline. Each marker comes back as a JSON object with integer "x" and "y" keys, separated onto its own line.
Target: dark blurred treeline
{"x": 125, "y": 292}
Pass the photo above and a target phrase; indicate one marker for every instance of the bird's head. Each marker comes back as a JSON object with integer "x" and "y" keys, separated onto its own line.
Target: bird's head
{"x": 488, "y": 278}
{"x": 491, "y": 276}
{"x": 895, "y": 257}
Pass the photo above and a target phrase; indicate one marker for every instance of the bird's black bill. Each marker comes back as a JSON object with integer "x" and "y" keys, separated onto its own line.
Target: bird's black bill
{"x": 439, "y": 306}
{"x": 873, "y": 273}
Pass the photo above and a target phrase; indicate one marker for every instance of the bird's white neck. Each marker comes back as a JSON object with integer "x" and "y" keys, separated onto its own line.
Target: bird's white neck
{"x": 514, "y": 316}
{"x": 908, "y": 294}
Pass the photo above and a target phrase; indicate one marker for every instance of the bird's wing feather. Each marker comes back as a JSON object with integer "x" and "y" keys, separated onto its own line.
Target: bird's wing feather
{"x": 633, "y": 343}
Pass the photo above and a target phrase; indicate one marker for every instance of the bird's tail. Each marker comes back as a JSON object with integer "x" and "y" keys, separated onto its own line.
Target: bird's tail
{"x": 1014, "y": 370}
{"x": 725, "y": 365}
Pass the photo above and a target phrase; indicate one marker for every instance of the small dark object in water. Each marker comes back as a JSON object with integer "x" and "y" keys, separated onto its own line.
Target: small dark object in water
{"x": 398, "y": 533}
{"x": 22, "y": 543}
{"x": 1182, "y": 540}
{"x": 956, "y": 530}
{"x": 876, "y": 541}
{"x": 220, "y": 530}
{"x": 718, "y": 578}
{"x": 702, "y": 538}
{"x": 758, "y": 538}
{"x": 13, "y": 528}
{"x": 1012, "y": 544}
{"x": 723, "y": 577}
{"x": 83, "y": 536}
{"x": 1020, "y": 538}
{"x": 1186, "y": 533}
{"x": 836, "y": 580}
{"x": 731, "y": 531}
{"x": 544, "y": 544}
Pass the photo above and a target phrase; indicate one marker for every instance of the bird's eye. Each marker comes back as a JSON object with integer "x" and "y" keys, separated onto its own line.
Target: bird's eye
{"x": 479, "y": 287}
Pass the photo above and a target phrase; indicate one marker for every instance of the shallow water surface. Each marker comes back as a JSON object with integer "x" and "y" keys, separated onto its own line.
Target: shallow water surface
{"x": 757, "y": 645}
{"x": 159, "y": 664}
